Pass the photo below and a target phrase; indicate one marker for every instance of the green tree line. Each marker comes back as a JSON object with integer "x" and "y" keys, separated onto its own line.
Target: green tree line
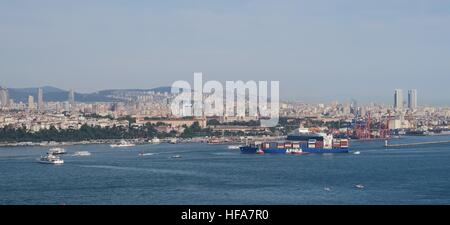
{"x": 85, "y": 133}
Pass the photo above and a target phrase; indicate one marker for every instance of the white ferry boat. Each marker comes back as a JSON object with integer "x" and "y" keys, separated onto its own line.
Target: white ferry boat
{"x": 122, "y": 144}
{"x": 51, "y": 159}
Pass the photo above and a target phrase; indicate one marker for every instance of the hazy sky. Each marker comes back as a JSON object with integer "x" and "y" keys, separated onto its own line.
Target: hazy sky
{"x": 318, "y": 50}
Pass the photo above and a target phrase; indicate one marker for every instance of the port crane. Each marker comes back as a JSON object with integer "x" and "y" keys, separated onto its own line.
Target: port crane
{"x": 362, "y": 130}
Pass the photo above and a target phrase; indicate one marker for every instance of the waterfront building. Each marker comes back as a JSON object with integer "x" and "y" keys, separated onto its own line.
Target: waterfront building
{"x": 172, "y": 122}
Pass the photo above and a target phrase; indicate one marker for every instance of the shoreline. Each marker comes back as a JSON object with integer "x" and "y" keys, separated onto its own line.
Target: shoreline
{"x": 168, "y": 140}
{"x": 225, "y": 141}
{"x": 53, "y": 144}
{"x": 108, "y": 142}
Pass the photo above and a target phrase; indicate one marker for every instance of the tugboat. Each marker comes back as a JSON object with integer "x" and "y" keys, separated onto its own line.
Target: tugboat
{"x": 51, "y": 159}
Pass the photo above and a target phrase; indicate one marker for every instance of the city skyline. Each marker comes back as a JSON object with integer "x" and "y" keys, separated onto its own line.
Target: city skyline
{"x": 318, "y": 50}
{"x": 400, "y": 101}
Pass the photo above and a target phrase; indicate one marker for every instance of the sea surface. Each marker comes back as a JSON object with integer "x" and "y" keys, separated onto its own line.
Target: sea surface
{"x": 213, "y": 174}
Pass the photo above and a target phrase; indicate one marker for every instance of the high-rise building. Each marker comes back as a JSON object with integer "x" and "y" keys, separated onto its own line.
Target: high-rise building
{"x": 354, "y": 107}
{"x": 412, "y": 99}
{"x": 398, "y": 99}
{"x": 40, "y": 100}
{"x": 31, "y": 105}
{"x": 71, "y": 99}
{"x": 4, "y": 97}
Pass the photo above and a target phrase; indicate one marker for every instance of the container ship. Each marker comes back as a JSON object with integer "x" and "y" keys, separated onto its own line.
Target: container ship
{"x": 300, "y": 142}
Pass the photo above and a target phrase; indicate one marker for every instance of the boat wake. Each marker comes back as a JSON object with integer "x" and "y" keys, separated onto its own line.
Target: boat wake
{"x": 224, "y": 153}
{"x": 146, "y": 154}
{"x": 158, "y": 171}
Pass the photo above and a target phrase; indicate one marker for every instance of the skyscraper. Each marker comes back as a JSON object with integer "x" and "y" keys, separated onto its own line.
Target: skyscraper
{"x": 398, "y": 99}
{"x": 412, "y": 99}
{"x": 354, "y": 107}
{"x": 4, "y": 97}
{"x": 71, "y": 98}
{"x": 40, "y": 103}
{"x": 31, "y": 103}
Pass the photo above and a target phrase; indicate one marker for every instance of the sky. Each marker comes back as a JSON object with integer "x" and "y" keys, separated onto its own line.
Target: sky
{"x": 319, "y": 50}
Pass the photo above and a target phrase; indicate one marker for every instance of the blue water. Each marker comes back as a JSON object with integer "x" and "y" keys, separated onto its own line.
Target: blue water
{"x": 212, "y": 174}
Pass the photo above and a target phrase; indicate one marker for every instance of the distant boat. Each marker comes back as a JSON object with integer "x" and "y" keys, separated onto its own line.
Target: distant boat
{"x": 82, "y": 153}
{"x": 356, "y": 153}
{"x": 155, "y": 140}
{"x": 176, "y": 157}
{"x": 51, "y": 159}
{"x": 327, "y": 189}
{"x": 57, "y": 151}
{"x": 122, "y": 144}
{"x": 359, "y": 186}
{"x": 145, "y": 154}
{"x": 173, "y": 141}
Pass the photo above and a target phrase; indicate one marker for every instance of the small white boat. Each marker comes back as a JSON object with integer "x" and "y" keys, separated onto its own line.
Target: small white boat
{"x": 176, "y": 157}
{"x": 122, "y": 144}
{"x": 145, "y": 154}
{"x": 327, "y": 189}
{"x": 82, "y": 153}
{"x": 356, "y": 153}
{"x": 155, "y": 140}
{"x": 51, "y": 159}
{"x": 173, "y": 141}
{"x": 234, "y": 147}
{"x": 57, "y": 151}
{"x": 359, "y": 186}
